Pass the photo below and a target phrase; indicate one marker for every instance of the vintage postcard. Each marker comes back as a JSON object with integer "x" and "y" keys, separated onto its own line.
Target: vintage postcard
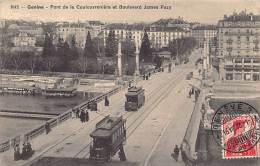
{"x": 129, "y": 82}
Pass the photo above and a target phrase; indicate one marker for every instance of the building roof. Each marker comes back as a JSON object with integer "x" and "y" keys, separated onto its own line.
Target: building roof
{"x": 116, "y": 26}
{"x": 95, "y": 23}
{"x": 24, "y": 34}
{"x": 163, "y": 29}
{"x": 205, "y": 27}
{"x": 173, "y": 29}
{"x": 242, "y": 18}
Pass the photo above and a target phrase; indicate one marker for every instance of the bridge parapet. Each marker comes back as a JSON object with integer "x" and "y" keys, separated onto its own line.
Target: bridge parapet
{"x": 33, "y": 133}
{"x": 193, "y": 130}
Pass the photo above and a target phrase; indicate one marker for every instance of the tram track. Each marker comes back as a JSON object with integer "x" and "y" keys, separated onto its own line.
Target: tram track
{"x": 79, "y": 128}
{"x": 148, "y": 97}
{"x": 166, "y": 89}
{"x": 155, "y": 103}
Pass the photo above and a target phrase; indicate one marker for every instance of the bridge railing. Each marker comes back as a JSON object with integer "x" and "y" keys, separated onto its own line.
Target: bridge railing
{"x": 33, "y": 133}
{"x": 192, "y": 131}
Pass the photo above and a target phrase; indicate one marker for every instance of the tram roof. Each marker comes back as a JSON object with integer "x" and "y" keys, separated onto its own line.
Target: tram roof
{"x": 107, "y": 126}
{"x": 133, "y": 91}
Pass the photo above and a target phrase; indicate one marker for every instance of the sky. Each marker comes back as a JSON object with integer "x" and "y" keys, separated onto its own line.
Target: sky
{"x": 204, "y": 11}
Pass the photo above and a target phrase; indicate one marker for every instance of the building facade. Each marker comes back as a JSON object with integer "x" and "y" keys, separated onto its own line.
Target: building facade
{"x": 79, "y": 30}
{"x": 97, "y": 26}
{"x": 206, "y": 33}
{"x": 238, "y": 47}
{"x": 24, "y": 40}
{"x": 159, "y": 36}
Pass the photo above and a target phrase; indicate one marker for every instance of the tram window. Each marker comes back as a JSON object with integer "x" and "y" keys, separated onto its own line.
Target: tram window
{"x": 132, "y": 99}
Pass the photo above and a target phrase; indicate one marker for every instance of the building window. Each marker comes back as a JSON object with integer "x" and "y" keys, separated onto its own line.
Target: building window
{"x": 238, "y": 38}
{"x": 247, "y": 31}
{"x": 238, "y": 76}
{"x": 229, "y": 76}
{"x": 255, "y": 77}
{"x": 247, "y": 38}
{"x": 239, "y": 31}
{"x": 247, "y": 77}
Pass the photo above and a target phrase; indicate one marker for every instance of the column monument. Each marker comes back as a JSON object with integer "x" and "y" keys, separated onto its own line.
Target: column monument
{"x": 119, "y": 62}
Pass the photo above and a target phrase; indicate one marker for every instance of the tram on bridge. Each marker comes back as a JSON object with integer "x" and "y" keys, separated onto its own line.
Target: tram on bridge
{"x": 135, "y": 98}
{"x": 108, "y": 138}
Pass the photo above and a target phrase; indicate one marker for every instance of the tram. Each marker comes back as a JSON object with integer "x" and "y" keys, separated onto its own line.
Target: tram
{"x": 108, "y": 137}
{"x": 135, "y": 98}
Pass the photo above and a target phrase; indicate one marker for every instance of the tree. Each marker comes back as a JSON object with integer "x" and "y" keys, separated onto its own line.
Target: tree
{"x": 62, "y": 54}
{"x": 111, "y": 46}
{"x": 33, "y": 60}
{"x": 73, "y": 49}
{"x": 17, "y": 60}
{"x": 89, "y": 55}
{"x": 145, "y": 51}
{"x": 49, "y": 54}
{"x": 179, "y": 47}
{"x": 128, "y": 48}
{"x": 100, "y": 49}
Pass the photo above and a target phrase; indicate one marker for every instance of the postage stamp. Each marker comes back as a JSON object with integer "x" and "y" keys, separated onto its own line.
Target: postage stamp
{"x": 239, "y": 136}
{"x": 239, "y": 127}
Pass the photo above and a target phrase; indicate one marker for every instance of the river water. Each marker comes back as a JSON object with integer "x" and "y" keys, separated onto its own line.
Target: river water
{"x": 11, "y": 127}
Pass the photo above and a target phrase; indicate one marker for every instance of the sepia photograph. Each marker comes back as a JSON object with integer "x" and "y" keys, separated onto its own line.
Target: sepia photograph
{"x": 129, "y": 83}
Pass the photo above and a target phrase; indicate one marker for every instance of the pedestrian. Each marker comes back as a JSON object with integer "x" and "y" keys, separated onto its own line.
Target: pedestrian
{"x": 192, "y": 90}
{"x": 29, "y": 149}
{"x": 17, "y": 155}
{"x": 86, "y": 116}
{"x": 176, "y": 153}
{"x": 89, "y": 105}
{"x": 106, "y": 101}
{"x": 121, "y": 154}
{"x": 95, "y": 105}
{"x": 190, "y": 93}
{"x": 47, "y": 127}
{"x": 73, "y": 113}
{"x": 77, "y": 113}
{"x": 24, "y": 152}
{"x": 82, "y": 116}
{"x": 92, "y": 106}
{"x": 146, "y": 77}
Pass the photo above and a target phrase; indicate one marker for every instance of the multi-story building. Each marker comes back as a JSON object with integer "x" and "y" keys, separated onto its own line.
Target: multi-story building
{"x": 97, "y": 26}
{"x": 205, "y": 34}
{"x": 79, "y": 30}
{"x": 35, "y": 30}
{"x": 24, "y": 39}
{"x": 238, "y": 47}
{"x": 159, "y": 36}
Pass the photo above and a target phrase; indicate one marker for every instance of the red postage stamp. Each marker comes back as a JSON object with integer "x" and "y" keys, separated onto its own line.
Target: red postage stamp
{"x": 239, "y": 136}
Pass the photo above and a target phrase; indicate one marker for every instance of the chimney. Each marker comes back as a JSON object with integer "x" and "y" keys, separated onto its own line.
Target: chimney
{"x": 251, "y": 17}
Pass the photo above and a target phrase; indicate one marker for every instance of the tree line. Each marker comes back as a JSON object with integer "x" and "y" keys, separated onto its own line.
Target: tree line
{"x": 63, "y": 57}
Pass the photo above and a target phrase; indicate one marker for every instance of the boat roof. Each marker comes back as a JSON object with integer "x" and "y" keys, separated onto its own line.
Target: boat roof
{"x": 61, "y": 90}
{"x": 107, "y": 126}
{"x": 18, "y": 87}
